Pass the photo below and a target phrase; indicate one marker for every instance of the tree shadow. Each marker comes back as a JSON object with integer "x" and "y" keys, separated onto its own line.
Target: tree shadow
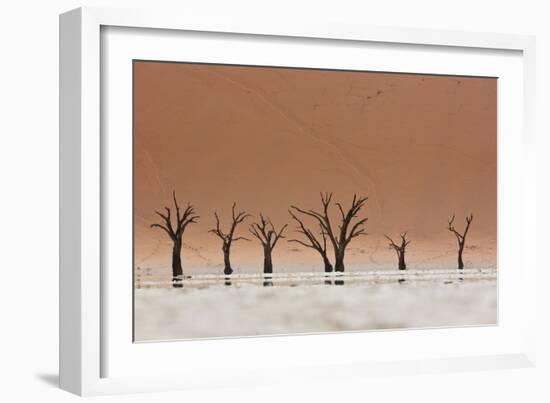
{"x": 328, "y": 280}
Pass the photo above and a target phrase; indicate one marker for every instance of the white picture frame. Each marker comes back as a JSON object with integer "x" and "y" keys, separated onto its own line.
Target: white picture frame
{"x": 93, "y": 328}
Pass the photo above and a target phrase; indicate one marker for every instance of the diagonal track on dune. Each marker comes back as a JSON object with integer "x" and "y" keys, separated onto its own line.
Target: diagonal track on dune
{"x": 156, "y": 174}
{"x": 308, "y": 132}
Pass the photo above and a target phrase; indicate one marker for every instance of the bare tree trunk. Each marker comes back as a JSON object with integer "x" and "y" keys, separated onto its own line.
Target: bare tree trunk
{"x": 328, "y": 265}
{"x": 339, "y": 261}
{"x": 400, "y": 249}
{"x": 265, "y": 232}
{"x": 460, "y": 262}
{"x": 177, "y": 270}
{"x": 227, "y": 270}
{"x": 175, "y": 232}
{"x": 268, "y": 263}
{"x": 461, "y": 238}
{"x": 402, "y": 265}
{"x": 347, "y": 229}
{"x": 229, "y": 237}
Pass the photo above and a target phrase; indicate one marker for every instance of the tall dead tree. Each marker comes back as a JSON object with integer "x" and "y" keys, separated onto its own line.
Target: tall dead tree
{"x": 400, "y": 249}
{"x": 229, "y": 237}
{"x": 268, "y": 237}
{"x": 175, "y": 232}
{"x": 314, "y": 243}
{"x": 345, "y": 232}
{"x": 461, "y": 238}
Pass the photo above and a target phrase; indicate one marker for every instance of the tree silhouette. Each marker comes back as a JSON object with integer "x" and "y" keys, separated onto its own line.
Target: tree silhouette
{"x": 176, "y": 232}
{"x": 341, "y": 239}
{"x": 314, "y": 243}
{"x": 229, "y": 237}
{"x": 400, "y": 249}
{"x": 268, "y": 237}
{"x": 461, "y": 238}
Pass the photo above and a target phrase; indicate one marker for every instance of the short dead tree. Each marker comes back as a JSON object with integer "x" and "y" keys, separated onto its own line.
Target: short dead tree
{"x": 229, "y": 237}
{"x": 461, "y": 238}
{"x": 175, "y": 232}
{"x": 265, "y": 232}
{"x": 320, "y": 245}
{"x": 343, "y": 235}
{"x": 400, "y": 249}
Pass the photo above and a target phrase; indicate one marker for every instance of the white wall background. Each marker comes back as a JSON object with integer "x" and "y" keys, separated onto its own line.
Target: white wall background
{"x": 29, "y": 201}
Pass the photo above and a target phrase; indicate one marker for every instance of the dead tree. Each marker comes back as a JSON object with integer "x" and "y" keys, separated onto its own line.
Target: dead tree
{"x": 176, "y": 232}
{"x": 229, "y": 237}
{"x": 341, "y": 238}
{"x": 400, "y": 249}
{"x": 461, "y": 238}
{"x": 268, "y": 237}
{"x": 318, "y": 245}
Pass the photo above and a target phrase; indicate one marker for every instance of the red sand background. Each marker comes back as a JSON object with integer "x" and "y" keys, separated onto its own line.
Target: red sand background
{"x": 419, "y": 146}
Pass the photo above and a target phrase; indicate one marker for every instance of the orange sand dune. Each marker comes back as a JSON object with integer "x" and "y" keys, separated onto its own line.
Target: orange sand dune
{"x": 420, "y": 147}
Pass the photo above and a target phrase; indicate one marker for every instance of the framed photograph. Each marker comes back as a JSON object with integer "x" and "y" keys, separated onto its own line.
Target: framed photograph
{"x": 249, "y": 201}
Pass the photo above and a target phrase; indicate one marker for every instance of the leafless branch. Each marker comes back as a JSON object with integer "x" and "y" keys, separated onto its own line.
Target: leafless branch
{"x": 314, "y": 242}
{"x": 461, "y": 238}
{"x": 237, "y": 218}
{"x": 265, "y": 232}
{"x": 175, "y": 231}
{"x": 181, "y": 223}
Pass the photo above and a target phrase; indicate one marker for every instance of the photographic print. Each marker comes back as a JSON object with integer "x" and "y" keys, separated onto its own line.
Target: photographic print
{"x": 281, "y": 201}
